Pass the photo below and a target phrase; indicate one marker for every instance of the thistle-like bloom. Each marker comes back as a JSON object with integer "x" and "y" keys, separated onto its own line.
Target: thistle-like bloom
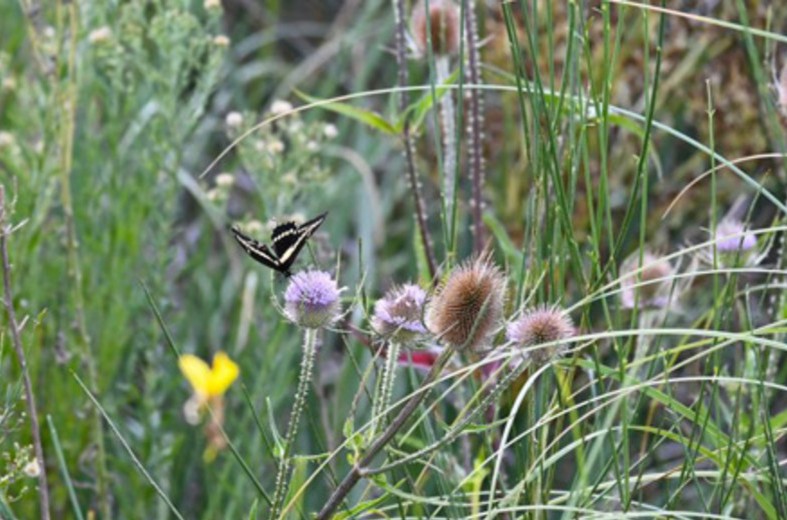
{"x": 731, "y": 237}
{"x": 649, "y": 287}
{"x": 468, "y": 305}
{"x": 208, "y": 382}
{"x": 539, "y": 326}
{"x": 312, "y": 299}
{"x": 398, "y": 314}
{"x": 441, "y": 24}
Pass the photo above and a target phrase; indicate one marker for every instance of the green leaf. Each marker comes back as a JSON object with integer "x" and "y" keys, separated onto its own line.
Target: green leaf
{"x": 367, "y": 117}
{"x": 513, "y": 255}
{"x": 253, "y": 509}
{"x": 5, "y": 511}
{"x": 417, "y": 111}
{"x": 278, "y": 443}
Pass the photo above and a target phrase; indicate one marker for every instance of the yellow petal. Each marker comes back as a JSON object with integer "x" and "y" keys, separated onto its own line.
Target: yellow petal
{"x": 196, "y": 372}
{"x": 223, "y": 373}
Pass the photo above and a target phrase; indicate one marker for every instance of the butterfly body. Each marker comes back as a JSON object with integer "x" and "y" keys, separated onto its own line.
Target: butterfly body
{"x": 287, "y": 240}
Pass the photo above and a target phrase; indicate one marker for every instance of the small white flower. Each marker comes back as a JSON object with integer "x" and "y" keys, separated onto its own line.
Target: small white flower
{"x": 330, "y": 131}
{"x": 234, "y": 119}
{"x": 275, "y": 147}
{"x": 221, "y": 41}
{"x": 279, "y": 107}
{"x": 7, "y": 140}
{"x": 225, "y": 180}
{"x": 100, "y": 35}
{"x": 32, "y": 469}
{"x": 9, "y": 84}
{"x": 212, "y": 4}
{"x": 254, "y": 227}
{"x": 312, "y": 146}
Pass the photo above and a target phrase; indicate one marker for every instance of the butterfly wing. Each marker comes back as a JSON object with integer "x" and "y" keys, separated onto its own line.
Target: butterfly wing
{"x": 284, "y": 236}
{"x": 258, "y": 251}
{"x": 289, "y": 238}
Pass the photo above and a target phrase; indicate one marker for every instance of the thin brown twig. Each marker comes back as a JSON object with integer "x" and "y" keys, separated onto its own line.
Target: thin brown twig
{"x": 359, "y": 468}
{"x": 32, "y": 411}
{"x": 409, "y": 155}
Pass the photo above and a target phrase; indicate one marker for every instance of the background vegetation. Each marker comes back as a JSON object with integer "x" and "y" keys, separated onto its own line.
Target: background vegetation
{"x": 596, "y": 117}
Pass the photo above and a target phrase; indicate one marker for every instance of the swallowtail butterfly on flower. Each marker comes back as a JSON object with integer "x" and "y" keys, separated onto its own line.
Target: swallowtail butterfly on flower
{"x": 287, "y": 240}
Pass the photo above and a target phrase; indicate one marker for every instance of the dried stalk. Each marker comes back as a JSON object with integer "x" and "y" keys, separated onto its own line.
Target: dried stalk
{"x": 409, "y": 154}
{"x": 69, "y": 104}
{"x": 30, "y": 402}
{"x": 359, "y": 468}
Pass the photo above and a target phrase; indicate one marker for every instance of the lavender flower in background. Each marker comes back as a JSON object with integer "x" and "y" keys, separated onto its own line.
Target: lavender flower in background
{"x": 312, "y": 299}
{"x": 540, "y": 326}
{"x": 647, "y": 287}
{"x": 732, "y": 237}
{"x": 780, "y": 85}
{"x": 398, "y": 314}
{"x": 468, "y": 305}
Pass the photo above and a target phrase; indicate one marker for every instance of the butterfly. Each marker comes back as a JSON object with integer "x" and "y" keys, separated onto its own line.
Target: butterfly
{"x": 287, "y": 240}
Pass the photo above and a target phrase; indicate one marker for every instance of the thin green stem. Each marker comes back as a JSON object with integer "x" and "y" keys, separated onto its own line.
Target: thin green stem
{"x": 67, "y": 130}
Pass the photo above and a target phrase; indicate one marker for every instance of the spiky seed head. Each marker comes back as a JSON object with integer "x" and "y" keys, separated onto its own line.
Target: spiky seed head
{"x": 441, "y": 23}
{"x": 398, "y": 314}
{"x": 539, "y": 326}
{"x": 468, "y": 305}
{"x": 312, "y": 299}
{"x": 648, "y": 287}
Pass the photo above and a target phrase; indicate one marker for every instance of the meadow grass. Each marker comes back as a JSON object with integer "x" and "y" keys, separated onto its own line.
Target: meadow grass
{"x": 590, "y": 197}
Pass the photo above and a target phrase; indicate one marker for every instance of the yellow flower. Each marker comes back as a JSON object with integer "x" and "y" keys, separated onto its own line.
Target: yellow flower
{"x": 209, "y": 381}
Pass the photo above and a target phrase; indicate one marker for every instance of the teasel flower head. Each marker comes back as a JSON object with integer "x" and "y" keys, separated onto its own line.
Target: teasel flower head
{"x": 441, "y": 23}
{"x": 398, "y": 314}
{"x": 731, "y": 236}
{"x": 312, "y": 300}
{"x": 647, "y": 287}
{"x": 468, "y": 306}
{"x": 548, "y": 326}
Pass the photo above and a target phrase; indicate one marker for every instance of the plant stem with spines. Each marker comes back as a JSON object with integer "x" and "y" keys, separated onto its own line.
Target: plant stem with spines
{"x": 475, "y": 125}
{"x": 304, "y": 380}
{"x": 409, "y": 153}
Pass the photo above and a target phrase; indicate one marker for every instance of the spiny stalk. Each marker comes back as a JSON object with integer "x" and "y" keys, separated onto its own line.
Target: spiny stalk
{"x": 409, "y": 154}
{"x": 304, "y": 380}
{"x": 475, "y": 124}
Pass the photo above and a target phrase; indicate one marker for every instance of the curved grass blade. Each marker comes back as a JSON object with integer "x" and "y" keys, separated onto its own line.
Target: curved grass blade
{"x": 128, "y": 449}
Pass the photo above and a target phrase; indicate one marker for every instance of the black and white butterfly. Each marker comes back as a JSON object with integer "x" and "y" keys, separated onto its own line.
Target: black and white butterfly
{"x": 287, "y": 240}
